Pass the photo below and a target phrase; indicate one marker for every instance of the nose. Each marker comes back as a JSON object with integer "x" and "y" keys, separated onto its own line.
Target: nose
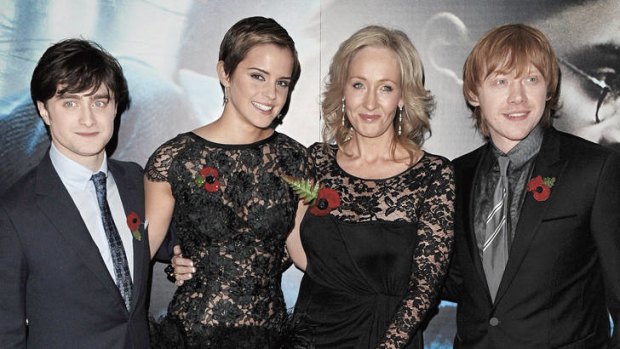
{"x": 517, "y": 93}
{"x": 370, "y": 101}
{"x": 87, "y": 117}
{"x": 270, "y": 91}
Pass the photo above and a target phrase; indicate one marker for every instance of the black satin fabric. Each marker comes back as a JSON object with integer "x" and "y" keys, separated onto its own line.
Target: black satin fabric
{"x": 356, "y": 278}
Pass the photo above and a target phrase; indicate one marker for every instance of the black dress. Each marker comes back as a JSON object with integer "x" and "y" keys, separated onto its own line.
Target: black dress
{"x": 377, "y": 262}
{"x": 233, "y": 213}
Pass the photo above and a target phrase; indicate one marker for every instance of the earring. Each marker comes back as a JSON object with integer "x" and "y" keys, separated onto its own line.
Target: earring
{"x": 400, "y": 119}
{"x": 225, "y": 95}
{"x": 343, "y": 111}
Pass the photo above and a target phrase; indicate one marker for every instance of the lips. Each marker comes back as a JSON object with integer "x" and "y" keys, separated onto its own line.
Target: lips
{"x": 87, "y": 134}
{"x": 369, "y": 117}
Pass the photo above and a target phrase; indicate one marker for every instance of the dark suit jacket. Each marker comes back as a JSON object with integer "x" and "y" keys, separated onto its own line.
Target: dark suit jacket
{"x": 53, "y": 275}
{"x": 563, "y": 274}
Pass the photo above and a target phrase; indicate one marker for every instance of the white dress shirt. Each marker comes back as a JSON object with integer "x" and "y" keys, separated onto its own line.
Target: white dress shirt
{"x": 76, "y": 179}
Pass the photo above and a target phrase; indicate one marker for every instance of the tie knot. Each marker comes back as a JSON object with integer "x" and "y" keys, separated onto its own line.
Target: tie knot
{"x": 503, "y": 161}
{"x": 99, "y": 181}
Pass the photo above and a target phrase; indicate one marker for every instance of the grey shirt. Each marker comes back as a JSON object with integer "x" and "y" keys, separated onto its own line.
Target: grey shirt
{"x": 519, "y": 172}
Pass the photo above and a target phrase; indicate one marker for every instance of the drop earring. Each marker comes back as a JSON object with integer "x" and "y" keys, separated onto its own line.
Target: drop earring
{"x": 400, "y": 120}
{"x": 225, "y": 95}
{"x": 342, "y": 109}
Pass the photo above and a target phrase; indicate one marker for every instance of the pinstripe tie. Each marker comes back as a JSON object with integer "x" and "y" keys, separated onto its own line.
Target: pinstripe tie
{"x": 496, "y": 245}
{"x": 119, "y": 258}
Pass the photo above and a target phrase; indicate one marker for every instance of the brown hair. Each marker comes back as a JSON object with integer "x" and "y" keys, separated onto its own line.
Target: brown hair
{"x": 507, "y": 48}
{"x": 253, "y": 31}
{"x": 418, "y": 102}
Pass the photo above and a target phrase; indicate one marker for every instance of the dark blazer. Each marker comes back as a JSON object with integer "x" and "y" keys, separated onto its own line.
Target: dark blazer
{"x": 562, "y": 279}
{"x": 52, "y": 273}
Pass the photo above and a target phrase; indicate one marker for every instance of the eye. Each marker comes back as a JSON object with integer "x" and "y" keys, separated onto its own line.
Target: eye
{"x": 70, "y": 104}
{"x": 501, "y": 82}
{"x": 532, "y": 79}
{"x": 100, "y": 103}
{"x": 257, "y": 77}
{"x": 283, "y": 83}
{"x": 387, "y": 88}
{"x": 358, "y": 85}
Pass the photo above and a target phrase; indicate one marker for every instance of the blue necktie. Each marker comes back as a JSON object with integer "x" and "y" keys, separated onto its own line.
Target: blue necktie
{"x": 119, "y": 258}
{"x": 497, "y": 242}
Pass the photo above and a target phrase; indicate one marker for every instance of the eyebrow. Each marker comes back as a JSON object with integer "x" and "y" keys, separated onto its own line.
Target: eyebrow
{"x": 267, "y": 73}
{"x": 381, "y": 80}
{"x": 103, "y": 95}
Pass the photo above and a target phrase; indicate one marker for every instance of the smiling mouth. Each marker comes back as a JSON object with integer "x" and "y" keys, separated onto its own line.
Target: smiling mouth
{"x": 369, "y": 117}
{"x": 262, "y": 107}
{"x": 517, "y": 115}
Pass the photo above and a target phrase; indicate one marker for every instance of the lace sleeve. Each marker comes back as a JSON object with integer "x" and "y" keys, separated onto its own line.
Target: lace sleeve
{"x": 430, "y": 260}
{"x": 157, "y": 167}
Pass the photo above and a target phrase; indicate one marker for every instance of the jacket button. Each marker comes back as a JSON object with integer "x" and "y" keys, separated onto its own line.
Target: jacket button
{"x": 494, "y": 321}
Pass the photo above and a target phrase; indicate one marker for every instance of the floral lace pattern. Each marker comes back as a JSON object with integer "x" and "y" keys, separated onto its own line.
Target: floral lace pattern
{"x": 423, "y": 195}
{"x": 235, "y": 234}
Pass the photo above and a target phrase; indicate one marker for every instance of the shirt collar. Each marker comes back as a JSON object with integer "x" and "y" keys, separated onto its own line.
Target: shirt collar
{"x": 72, "y": 173}
{"x": 524, "y": 150}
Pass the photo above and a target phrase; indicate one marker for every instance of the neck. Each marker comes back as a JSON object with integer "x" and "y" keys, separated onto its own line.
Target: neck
{"x": 227, "y": 130}
{"x": 369, "y": 149}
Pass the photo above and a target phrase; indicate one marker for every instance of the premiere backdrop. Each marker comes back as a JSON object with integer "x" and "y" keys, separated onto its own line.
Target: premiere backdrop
{"x": 169, "y": 49}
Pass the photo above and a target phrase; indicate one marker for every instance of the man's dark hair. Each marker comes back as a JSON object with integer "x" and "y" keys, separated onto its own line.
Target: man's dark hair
{"x": 78, "y": 65}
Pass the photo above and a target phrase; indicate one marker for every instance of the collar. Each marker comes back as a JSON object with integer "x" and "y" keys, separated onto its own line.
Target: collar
{"x": 72, "y": 173}
{"x": 524, "y": 150}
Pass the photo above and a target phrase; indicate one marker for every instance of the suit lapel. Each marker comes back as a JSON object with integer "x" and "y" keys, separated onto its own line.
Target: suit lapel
{"x": 470, "y": 174}
{"x": 56, "y": 204}
{"x": 133, "y": 202}
{"x": 548, "y": 164}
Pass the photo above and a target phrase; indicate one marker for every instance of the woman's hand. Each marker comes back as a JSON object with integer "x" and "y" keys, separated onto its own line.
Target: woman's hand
{"x": 182, "y": 268}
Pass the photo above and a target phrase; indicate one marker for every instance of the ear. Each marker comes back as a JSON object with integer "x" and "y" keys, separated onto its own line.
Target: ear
{"x": 43, "y": 112}
{"x": 224, "y": 78}
{"x": 472, "y": 99}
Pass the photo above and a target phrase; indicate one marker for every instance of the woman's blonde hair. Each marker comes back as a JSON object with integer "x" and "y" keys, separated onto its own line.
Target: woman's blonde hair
{"x": 418, "y": 102}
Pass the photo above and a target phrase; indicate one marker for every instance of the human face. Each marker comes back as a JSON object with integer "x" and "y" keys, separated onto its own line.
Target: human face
{"x": 594, "y": 51}
{"x": 373, "y": 92}
{"x": 259, "y": 86}
{"x": 81, "y": 124}
{"x": 511, "y": 106}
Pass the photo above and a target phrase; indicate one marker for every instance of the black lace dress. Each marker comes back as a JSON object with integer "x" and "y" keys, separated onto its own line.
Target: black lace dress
{"x": 233, "y": 213}
{"x": 376, "y": 263}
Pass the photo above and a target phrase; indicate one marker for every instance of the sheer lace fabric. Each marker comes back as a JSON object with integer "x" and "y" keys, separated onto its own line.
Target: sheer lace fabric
{"x": 383, "y": 253}
{"x": 233, "y": 213}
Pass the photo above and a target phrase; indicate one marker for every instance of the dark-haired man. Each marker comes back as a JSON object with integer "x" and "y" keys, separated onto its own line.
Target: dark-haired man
{"x": 537, "y": 212}
{"x": 74, "y": 255}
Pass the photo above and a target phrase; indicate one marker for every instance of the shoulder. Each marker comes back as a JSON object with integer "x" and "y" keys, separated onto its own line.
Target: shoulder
{"x": 21, "y": 192}
{"x": 580, "y": 154}
{"x": 574, "y": 146}
{"x": 174, "y": 144}
{"x": 470, "y": 158}
{"x": 437, "y": 160}
{"x": 320, "y": 150}
{"x": 127, "y": 168}
{"x": 283, "y": 141}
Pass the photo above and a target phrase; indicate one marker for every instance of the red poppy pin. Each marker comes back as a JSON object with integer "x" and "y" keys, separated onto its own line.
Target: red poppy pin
{"x": 208, "y": 178}
{"x": 540, "y": 187}
{"x": 322, "y": 200}
{"x": 133, "y": 222}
